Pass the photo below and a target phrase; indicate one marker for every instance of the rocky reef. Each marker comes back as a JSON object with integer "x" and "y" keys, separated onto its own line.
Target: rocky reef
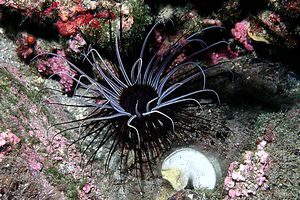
{"x": 254, "y": 132}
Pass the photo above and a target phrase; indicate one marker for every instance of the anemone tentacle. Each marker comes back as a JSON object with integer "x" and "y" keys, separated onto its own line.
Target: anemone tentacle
{"x": 111, "y": 73}
{"x": 174, "y": 100}
{"x": 120, "y": 62}
{"x": 138, "y": 62}
{"x": 114, "y": 86}
{"x": 176, "y": 68}
{"x": 140, "y": 109}
{"x": 134, "y": 128}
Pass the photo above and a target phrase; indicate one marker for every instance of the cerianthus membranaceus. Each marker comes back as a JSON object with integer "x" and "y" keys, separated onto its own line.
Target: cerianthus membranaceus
{"x": 139, "y": 111}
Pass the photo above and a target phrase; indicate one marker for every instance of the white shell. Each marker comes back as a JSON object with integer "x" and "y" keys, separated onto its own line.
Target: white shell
{"x": 187, "y": 165}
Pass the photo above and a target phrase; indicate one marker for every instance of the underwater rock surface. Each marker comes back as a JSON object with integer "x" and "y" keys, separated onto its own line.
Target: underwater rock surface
{"x": 258, "y": 85}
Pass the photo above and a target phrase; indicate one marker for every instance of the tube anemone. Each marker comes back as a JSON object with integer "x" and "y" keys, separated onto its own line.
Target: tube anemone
{"x": 139, "y": 111}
